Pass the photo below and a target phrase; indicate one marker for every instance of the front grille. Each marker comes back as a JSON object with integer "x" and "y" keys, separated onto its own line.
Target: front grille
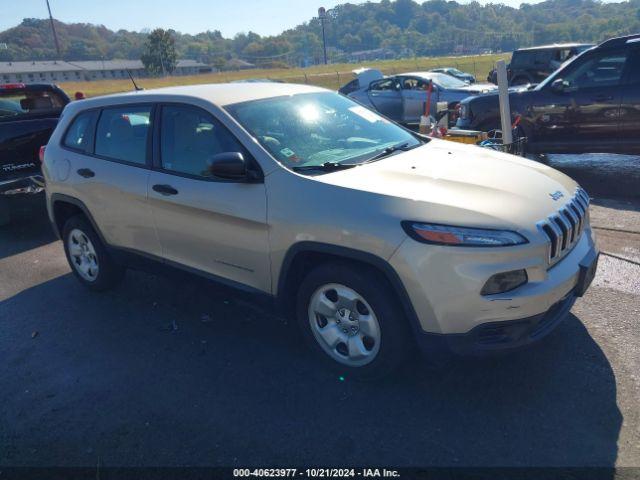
{"x": 564, "y": 227}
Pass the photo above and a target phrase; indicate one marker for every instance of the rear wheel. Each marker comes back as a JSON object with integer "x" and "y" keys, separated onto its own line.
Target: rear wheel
{"x": 352, "y": 321}
{"x": 88, "y": 257}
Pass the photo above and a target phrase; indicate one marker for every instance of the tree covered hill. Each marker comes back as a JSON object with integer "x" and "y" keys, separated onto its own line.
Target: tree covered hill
{"x": 399, "y": 28}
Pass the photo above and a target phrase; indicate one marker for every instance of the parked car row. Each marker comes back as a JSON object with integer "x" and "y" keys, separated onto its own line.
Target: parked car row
{"x": 403, "y": 97}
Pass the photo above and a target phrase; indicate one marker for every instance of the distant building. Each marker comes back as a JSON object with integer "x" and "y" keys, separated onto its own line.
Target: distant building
{"x": 61, "y": 71}
{"x": 237, "y": 64}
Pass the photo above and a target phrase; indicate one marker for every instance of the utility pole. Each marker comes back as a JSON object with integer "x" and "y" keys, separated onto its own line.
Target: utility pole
{"x": 53, "y": 29}
{"x": 322, "y": 15}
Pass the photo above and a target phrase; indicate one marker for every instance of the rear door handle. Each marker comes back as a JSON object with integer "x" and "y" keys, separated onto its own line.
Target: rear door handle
{"x": 165, "y": 189}
{"x": 86, "y": 172}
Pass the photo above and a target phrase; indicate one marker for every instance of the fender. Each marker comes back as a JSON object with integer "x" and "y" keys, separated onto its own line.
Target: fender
{"x": 62, "y": 198}
{"x": 346, "y": 253}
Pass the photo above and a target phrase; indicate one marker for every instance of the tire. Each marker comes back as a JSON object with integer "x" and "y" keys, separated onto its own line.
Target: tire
{"x": 87, "y": 256}
{"x": 332, "y": 303}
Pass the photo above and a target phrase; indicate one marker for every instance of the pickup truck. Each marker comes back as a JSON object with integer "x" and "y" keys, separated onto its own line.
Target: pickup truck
{"x": 28, "y": 115}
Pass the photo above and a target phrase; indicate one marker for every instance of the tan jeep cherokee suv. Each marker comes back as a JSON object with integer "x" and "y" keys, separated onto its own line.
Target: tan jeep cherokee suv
{"x": 374, "y": 238}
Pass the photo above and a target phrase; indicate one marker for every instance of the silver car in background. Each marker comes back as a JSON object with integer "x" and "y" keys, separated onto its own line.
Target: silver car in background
{"x": 403, "y": 97}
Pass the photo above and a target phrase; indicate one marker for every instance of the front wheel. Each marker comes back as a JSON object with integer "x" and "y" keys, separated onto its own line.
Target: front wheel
{"x": 352, "y": 321}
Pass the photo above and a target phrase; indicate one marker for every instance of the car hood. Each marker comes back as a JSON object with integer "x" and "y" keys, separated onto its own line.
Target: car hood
{"x": 475, "y": 88}
{"x": 451, "y": 183}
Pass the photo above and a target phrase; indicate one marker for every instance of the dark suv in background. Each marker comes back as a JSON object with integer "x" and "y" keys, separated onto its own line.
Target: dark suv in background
{"x": 532, "y": 65}
{"x": 590, "y": 104}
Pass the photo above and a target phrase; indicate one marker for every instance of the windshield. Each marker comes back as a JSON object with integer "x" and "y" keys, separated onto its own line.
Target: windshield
{"x": 314, "y": 129}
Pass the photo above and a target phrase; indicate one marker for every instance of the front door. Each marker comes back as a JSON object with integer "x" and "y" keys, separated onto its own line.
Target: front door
{"x": 386, "y": 96}
{"x": 414, "y": 98}
{"x": 584, "y": 116}
{"x": 212, "y": 225}
{"x": 629, "y": 137}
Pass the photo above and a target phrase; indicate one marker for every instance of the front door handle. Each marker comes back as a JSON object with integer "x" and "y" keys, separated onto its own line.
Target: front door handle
{"x": 86, "y": 172}
{"x": 165, "y": 189}
{"x": 602, "y": 98}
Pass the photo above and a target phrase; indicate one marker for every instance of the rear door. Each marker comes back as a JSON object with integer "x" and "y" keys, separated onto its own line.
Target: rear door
{"x": 110, "y": 172}
{"x": 209, "y": 224}
{"x": 386, "y": 96}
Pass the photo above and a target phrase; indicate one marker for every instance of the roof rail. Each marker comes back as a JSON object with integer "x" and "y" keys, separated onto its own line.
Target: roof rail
{"x": 619, "y": 41}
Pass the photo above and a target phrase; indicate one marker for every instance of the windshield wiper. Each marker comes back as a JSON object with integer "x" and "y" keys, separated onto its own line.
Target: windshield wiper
{"x": 404, "y": 146}
{"x": 325, "y": 167}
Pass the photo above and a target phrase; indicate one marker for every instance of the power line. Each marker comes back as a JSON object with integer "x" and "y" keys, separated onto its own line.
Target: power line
{"x": 53, "y": 29}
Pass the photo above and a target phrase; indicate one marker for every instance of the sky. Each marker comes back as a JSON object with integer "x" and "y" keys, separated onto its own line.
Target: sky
{"x": 266, "y": 17}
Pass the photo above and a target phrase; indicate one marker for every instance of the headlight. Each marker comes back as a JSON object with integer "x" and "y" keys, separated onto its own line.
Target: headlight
{"x": 461, "y": 236}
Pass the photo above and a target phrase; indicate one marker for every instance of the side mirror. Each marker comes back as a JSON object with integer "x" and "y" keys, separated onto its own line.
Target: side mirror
{"x": 229, "y": 165}
{"x": 397, "y": 87}
{"x": 559, "y": 85}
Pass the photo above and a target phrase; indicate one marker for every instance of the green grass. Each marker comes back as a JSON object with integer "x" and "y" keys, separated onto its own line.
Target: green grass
{"x": 329, "y": 76}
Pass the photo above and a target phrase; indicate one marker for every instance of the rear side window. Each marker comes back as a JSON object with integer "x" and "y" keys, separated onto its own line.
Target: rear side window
{"x": 17, "y": 102}
{"x": 123, "y": 132}
{"x": 521, "y": 59}
{"x": 190, "y": 137}
{"x": 80, "y": 132}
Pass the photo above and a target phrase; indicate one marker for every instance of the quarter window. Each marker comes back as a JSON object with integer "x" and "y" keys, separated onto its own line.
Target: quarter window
{"x": 190, "y": 137}
{"x": 79, "y": 133}
{"x": 122, "y": 133}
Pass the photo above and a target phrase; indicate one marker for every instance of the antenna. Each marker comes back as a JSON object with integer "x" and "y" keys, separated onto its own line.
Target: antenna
{"x": 135, "y": 85}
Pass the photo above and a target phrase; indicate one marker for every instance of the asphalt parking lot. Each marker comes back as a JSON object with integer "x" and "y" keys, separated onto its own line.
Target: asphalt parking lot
{"x": 171, "y": 373}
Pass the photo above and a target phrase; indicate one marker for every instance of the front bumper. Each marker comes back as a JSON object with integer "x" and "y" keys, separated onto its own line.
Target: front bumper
{"x": 24, "y": 185}
{"x": 500, "y": 336}
{"x": 444, "y": 283}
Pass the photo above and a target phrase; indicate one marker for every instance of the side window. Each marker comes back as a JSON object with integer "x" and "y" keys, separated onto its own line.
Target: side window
{"x": 522, "y": 59}
{"x": 385, "y": 84}
{"x": 414, "y": 84}
{"x": 80, "y": 132}
{"x": 122, "y": 133}
{"x": 600, "y": 70}
{"x": 189, "y": 137}
{"x": 542, "y": 57}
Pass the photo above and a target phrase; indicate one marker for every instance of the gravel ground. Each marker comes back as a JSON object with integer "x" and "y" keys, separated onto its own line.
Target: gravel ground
{"x": 180, "y": 372}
